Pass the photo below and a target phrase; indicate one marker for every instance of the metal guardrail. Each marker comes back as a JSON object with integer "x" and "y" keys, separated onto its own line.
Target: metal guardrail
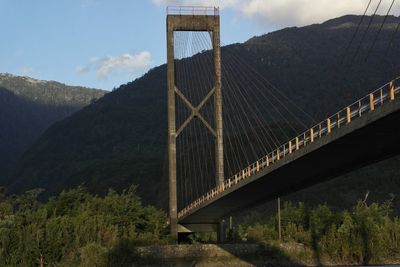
{"x": 368, "y": 103}
{"x": 192, "y": 10}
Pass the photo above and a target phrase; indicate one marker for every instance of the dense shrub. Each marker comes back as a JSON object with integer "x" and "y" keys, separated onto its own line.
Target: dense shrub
{"x": 75, "y": 227}
{"x": 365, "y": 234}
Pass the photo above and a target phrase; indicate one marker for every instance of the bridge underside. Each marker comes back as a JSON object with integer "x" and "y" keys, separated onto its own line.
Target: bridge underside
{"x": 368, "y": 139}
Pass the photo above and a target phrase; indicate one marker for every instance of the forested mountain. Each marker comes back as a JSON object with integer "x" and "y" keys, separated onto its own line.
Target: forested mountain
{"x": 28, "y": 107}
{"x": 121, "y": 139}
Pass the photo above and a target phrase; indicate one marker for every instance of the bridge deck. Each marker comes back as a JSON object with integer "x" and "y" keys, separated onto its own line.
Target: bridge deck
{"x": 369, "y": 138}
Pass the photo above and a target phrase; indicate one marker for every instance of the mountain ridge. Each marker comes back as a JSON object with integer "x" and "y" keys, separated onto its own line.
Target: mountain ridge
{"x": 121, "y": 139}
{"x": 10, "y": 81}
{"x": 28, "y": 107}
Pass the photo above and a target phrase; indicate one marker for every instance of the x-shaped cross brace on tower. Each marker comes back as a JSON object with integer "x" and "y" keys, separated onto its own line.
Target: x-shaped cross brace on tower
{"x": 195, "y": 111}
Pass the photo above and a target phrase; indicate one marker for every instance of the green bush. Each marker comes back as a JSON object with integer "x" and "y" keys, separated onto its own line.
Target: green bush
{"x": 75, "y": 227}
{"x": 261, "y": 233}
{"x": 93, "y": 255}
{"x": 366, "y": 234}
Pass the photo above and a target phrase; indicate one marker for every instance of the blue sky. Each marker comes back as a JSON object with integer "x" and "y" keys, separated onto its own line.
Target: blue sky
{"x": 104, "y": 43}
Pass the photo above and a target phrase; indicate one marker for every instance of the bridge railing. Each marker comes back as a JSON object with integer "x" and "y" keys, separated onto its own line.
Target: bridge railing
{"x": 368, "y": 103}
{"x": 192, "y": 10}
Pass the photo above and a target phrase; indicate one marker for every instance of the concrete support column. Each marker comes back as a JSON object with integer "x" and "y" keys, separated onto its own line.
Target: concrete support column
{"x": 219, "y": 145}
{"x": 173, "y": 217}
{"x": 192, "y": 23}
{"x": 221, "y": 232}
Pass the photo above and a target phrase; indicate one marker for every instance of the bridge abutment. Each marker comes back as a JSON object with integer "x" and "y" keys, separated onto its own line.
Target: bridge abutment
{"x": 185, "y": 230}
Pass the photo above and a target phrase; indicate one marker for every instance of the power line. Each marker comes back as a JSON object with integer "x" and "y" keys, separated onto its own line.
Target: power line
{"x": 355, "y": 32}
{"x": 379, "y": 31}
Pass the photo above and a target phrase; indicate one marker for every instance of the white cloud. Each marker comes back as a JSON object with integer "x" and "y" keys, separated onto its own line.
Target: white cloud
{"x": 126, "y": 63}
{"x": 289, "y": 12}
{"x": 304, "y": 12}
{"x": 130, "y": 63}
{"x": 82, "y": 69}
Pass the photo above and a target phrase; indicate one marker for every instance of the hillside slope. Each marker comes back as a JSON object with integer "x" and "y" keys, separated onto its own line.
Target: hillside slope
{"x": 121, "y": 138}
{"x": 28, "y": 107}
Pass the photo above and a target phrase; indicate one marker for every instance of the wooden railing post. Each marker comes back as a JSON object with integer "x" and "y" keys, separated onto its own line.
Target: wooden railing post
{"x": 328, "y": 125}
{"x": 371, "y": 102}
{"x": 290, "y": 147}
{"x": 278, "y": 156}
{"x": 348, "y": 114}
{"x": 391, "y": 90}
{"x": 312, "y": 135}
{"x": 297, "y": 143}
{"x": 267, "y": 161}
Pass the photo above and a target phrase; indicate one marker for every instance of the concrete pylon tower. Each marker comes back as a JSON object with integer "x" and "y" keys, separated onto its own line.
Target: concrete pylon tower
{"x": 192, "y": 19}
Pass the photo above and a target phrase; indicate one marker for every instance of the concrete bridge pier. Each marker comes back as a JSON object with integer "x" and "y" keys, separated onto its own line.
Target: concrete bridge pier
{"x": 221, "y": 233}
{"x": 185, "y": 230}
{"x": 205, "y": 20}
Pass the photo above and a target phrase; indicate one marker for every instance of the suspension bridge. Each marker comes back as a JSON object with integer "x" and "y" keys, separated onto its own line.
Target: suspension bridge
{"x": 235, "y": 140}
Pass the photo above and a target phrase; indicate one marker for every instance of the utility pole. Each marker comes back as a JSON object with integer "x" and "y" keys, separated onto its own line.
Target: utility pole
{"x": 279, "y": 220}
